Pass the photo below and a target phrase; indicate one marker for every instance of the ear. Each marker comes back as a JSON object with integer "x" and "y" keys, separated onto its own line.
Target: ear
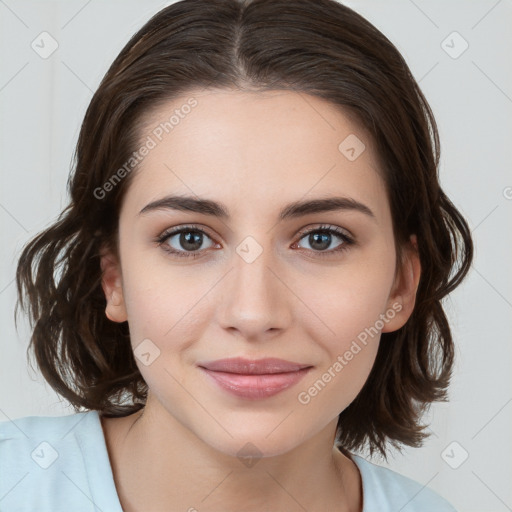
{"x": 403, "y": 294}
{"x": 111, "y": 282}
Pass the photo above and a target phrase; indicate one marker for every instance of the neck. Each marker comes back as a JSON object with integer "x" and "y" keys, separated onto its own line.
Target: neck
{"x": 159, "y": 464}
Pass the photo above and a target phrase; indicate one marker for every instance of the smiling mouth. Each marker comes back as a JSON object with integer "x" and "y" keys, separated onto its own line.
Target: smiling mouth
{"x": 254, "y": 379}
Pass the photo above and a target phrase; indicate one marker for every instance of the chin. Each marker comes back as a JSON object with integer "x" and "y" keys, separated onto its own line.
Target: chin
{"x": 265, "y": 439}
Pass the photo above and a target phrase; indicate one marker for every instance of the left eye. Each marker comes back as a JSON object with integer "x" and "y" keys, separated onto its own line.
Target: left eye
{"x": 321, "y": 238}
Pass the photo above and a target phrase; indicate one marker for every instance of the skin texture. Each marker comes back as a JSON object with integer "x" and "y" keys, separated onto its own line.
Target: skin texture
{"x": 255, "y": 153}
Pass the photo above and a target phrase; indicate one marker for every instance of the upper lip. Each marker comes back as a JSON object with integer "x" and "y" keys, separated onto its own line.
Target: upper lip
{"x": 253, "y": 367}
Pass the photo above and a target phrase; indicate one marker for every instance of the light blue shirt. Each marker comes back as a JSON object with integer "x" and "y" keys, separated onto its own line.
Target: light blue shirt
{"x": 61, "y": 464}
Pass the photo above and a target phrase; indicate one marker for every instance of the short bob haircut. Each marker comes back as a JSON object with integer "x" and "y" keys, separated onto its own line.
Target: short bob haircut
{"x": 317, "y": 47}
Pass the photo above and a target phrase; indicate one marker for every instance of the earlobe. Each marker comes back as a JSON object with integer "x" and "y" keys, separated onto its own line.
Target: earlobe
{"x": 116, "y": 298}
{"x": 405, "y": 288}
{"x": 111, "y": 282}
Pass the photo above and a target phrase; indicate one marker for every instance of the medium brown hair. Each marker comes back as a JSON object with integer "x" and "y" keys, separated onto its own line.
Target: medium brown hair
{"x": 318, "y": 47}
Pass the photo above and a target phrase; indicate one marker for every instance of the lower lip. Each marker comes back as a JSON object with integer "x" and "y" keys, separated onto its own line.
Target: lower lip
{"x": 256, "y": 386}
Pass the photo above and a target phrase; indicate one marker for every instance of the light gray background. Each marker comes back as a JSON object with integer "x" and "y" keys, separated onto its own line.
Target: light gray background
{"x": 42, "y": 103}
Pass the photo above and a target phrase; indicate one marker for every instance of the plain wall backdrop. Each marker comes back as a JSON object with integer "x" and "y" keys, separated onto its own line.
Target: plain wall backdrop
{"x": 459, "y": 51}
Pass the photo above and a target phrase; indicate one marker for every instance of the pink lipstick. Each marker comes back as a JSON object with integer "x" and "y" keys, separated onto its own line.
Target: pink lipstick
{"x": 254, "y": 379}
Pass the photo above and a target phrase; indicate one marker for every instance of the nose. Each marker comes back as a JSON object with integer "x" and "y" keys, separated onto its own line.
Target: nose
{"x": 255, "y": 299}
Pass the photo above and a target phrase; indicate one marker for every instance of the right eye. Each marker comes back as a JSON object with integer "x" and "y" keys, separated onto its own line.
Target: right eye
{"x": 184, "y": 242}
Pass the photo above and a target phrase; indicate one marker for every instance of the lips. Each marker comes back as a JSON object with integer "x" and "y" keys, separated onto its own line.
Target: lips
{"x": 254, "y": 379}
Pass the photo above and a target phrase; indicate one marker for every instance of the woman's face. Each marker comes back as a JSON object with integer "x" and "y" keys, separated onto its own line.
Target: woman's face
{"x": 261, "y": 280}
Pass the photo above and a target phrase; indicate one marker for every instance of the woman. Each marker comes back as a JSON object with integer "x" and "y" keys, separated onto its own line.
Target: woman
{"x": 250, "y": 273}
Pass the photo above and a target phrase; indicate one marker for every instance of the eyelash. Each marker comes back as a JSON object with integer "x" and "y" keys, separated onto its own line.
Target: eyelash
{"x": 347, "y": 241}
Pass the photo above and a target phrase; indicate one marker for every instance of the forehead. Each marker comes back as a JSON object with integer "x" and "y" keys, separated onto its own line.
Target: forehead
{"x": 259, "y": 148}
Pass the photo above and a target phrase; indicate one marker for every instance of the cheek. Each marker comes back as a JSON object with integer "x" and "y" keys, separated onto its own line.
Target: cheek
{"x": 352, "y": 308}
{"x": 348, "y": 300}
{"x": 349, "y": 344}
{"x": 161, "y": 308}
{"x": 167, "y": 304}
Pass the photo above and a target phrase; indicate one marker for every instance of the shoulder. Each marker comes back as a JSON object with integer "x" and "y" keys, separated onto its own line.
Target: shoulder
{"x": 50, "y": 454}
{"x": 36, "y": 426}
{"x": 386, "y": 490}
{"x": 36, "y": 437}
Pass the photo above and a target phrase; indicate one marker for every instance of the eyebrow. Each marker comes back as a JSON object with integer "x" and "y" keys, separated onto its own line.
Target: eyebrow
{"x": 292, "y": 210}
